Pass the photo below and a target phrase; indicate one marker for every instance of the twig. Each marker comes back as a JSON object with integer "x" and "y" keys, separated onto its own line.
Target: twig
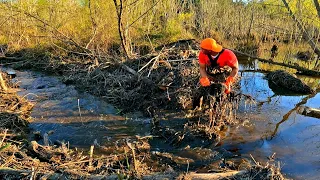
{"x": 17, "y": 142}
{"x": 32, "y": 173}
{"x": 80, "y": 111}
{"x": 149, "y": 62}
{"x": 154, "y": 63}
{"x": 178, "y": 60}
{"x": 90, "y": 157}
{"x": 77, "y": 162}
{"x": 146, "y": 12}
{"x": 5, "y": 134}
{"x": 133, "y": 154}
{"x": 168, "y": 94}
{"x": 188, "y": 166}
{"x": 46, "y": 139}
{"x": 11, "y": 59}
{"x": 254, "y": 160}
{"x": 130, "y": 70}
{"x": 2, "y": 83}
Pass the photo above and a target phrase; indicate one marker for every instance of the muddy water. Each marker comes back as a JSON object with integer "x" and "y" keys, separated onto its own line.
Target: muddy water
{"x": 81, "y": 119}
{"x": 70, "y": 116}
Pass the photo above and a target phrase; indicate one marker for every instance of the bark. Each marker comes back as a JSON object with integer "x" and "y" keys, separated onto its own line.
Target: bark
{"x": 94, "y": 25}
{"x": 251, "y": 23}
{"x": 316, "y": 3}
{"x": 307, "y": 111}
{"x": 3, "y": 83}
{"x": 119, "y": 9}
{"x": 205, "y": 176}
{"x": 301, "y": 27}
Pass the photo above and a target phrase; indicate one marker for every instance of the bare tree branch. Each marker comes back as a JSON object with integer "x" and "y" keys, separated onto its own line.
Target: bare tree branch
{"x": 305, "y": 33}
{"x": 119, "y": 9}
{"x": 66, "y": 39}
{"x": 94, "y": 25}
{"x": 142, "y": 15}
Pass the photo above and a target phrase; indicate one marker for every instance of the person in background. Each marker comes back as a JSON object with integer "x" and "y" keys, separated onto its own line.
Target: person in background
{"x": 212, "y": 56}
{"x": 274, "y": 51}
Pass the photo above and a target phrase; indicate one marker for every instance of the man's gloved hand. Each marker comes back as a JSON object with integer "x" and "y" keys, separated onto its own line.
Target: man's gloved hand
{"x": 204, "y": 81}
{"x": 230, "y": 80}
{"x": 228, "y": 84}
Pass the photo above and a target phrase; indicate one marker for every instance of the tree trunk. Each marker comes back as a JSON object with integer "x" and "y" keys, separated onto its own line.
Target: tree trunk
{"x": 251, "y": 23}
{"x": 316, "y": 3}
{"x": 307, "y": 111}
{"x": 119, "y": 9}
{"x": 305, "y": 33}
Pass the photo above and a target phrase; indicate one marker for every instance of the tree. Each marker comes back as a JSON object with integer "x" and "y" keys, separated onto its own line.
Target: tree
{"x": 119, "y": 9}
{"x": 302, "y": 28}
{"x": 316, "y": 3}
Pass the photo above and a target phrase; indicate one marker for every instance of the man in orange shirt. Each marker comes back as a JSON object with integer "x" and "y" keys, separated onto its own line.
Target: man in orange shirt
{"x": 212, "y": 56}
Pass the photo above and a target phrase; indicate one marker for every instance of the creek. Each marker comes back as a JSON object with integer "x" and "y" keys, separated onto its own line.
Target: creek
{"x": 81, "y": 119}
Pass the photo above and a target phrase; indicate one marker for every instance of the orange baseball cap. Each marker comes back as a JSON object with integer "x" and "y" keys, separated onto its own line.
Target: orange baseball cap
{"x": 210, "y": 44}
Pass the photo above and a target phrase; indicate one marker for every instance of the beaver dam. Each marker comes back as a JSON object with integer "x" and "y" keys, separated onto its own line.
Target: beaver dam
{"x": 161, "y": 124}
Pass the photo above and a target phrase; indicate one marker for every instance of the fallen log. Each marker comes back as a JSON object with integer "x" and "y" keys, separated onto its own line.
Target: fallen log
{"x": 13, "y": 173}
{"x": 9, "y": 60}
{"x": 300, "y": 70}
{"x": 205, "y": 176}
{"x": 308, "y": 111}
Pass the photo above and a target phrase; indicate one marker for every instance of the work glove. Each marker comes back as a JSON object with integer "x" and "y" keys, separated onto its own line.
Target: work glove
{"x": 228, "y": 84}
{"x": 204, "y": 81}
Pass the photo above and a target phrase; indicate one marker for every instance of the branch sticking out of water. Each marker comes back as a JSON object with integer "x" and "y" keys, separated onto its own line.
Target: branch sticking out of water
{"x": 80, "y": 111}
{"x": 3, "y": 83}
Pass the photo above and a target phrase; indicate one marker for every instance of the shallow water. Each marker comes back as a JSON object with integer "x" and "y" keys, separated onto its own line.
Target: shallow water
{"x": 82, "y": 119}
{"x": 275, "y": 127}
{"x": 70, "y": 116}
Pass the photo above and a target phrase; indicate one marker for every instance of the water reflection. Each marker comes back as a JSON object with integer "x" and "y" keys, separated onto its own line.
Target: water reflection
{"x": 274, "y": 127}
{"x": 74, "y": 117}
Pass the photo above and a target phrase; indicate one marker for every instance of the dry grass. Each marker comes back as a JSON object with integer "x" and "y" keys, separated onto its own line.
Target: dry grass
{"x": 37, "y": 161}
